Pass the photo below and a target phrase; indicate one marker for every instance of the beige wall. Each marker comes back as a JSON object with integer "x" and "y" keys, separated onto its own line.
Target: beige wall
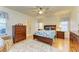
{"x": 50, "y": 21}
{"x": 77, "y": 20}
{"x": 74, "y": 20}
{"x": 30, "y": 26}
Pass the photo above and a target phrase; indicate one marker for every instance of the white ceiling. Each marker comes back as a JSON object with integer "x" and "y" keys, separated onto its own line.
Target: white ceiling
{"x": 30, "y": 10}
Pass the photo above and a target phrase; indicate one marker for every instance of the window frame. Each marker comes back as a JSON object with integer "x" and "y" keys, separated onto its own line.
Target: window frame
{"x": 65, "y": 19}
{"x": 4, "y": 15}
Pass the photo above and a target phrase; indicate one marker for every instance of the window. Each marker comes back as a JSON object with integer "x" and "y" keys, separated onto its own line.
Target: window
{"x": 2, "y": 23}
{"x": 64, "y": 25}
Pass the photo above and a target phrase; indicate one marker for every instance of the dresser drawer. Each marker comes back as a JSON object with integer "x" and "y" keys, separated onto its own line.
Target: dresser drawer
{"x": 60, "y": 34}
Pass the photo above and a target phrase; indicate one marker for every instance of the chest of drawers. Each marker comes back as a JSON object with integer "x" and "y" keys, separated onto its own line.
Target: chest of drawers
{"x": 19, "y": 33}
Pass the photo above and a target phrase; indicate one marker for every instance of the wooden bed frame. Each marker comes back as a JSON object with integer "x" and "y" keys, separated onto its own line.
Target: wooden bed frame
{"x": 45, "y": 39}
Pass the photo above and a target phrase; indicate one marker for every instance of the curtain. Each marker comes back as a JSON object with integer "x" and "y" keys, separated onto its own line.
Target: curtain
{"x": 3, "y": 14}
{"x": 3, "y": 24}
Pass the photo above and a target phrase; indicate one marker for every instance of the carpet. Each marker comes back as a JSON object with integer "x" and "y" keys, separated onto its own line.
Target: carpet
{"x": 32, "y": 46}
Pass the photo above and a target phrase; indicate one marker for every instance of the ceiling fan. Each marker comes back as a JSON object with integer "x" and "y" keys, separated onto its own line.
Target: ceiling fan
{"x": 40, "y": 10}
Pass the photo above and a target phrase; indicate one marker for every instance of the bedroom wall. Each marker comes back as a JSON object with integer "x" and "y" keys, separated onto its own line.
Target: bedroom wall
{"x": 49, "y": 20}
{"x": 75, "y": 21}
{"x": 14, "y": 18}
{"x": 31, "y": 26}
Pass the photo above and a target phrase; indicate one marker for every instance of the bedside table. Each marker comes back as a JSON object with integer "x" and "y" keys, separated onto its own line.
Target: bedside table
{"x": 60, "y": 34}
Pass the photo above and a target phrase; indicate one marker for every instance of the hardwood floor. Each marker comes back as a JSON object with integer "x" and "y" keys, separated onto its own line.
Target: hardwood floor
{"x": 74, "y": 42}
{"x": 62, "y": 44}
{"x": 74, "y": 47}
{"x": 30, "y": 37}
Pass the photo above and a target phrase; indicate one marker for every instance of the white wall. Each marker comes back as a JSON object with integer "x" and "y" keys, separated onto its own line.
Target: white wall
{"x": 74, "y": 21}
{"x": 31, "y": 26}
{"x": 49, "y": 20}
{"x": 77, "y": 21}
{"x": 14, "y": 18}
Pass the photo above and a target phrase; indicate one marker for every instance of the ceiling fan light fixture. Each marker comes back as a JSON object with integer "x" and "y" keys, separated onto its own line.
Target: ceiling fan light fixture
{"x": 40, "y": 12}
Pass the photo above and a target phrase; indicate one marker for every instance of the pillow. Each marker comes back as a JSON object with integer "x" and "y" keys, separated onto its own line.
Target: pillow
{"x": 1, "y": 43}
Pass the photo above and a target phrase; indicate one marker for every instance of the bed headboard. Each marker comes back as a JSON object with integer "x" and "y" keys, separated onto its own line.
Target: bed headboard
{"x": 50, "y": 27}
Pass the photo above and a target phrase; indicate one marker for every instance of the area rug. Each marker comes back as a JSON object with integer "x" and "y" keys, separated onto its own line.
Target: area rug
{"x": 32, "y": 46}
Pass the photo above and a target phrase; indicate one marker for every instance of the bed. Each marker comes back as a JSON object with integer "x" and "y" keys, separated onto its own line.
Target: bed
{"x": 47, "y": 35}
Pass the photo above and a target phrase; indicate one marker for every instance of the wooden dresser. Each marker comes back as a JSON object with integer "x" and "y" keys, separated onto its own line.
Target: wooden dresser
{"x": 74, "y": 42}
{"x": 19, "y": 33}
{"x": 60, "y": 34}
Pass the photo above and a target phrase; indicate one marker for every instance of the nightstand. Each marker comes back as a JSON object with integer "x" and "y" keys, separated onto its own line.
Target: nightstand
{"x": 60, "y": 34}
